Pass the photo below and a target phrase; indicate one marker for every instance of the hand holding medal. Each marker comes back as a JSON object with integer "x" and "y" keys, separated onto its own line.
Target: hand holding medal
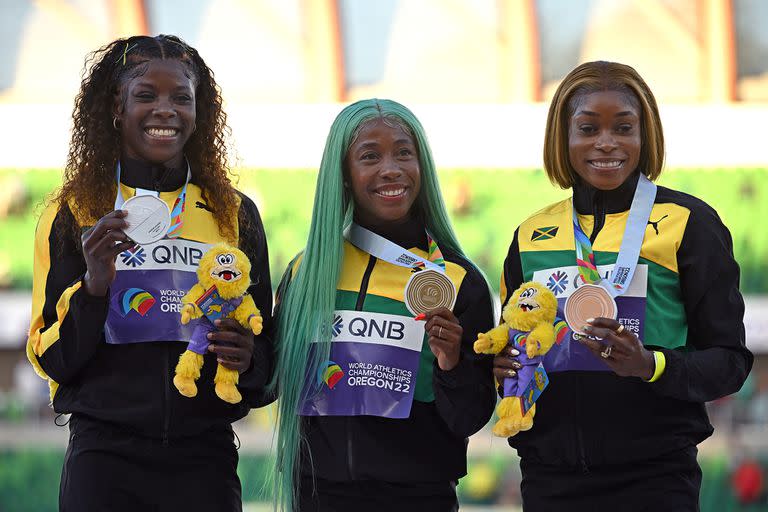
{"x": 621, "y": 350}
{"x": 101, "y": 245}
{"x": 445, "y": 333}
{"x": 591, "y": 310}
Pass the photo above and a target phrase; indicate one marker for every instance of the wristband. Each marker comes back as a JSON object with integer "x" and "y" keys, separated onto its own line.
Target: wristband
{"x": 660, "y": 363}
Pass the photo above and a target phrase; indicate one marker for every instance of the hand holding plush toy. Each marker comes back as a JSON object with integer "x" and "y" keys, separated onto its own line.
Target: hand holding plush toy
{"x": 221, "y": 292}
{"x": 530, "y": 324}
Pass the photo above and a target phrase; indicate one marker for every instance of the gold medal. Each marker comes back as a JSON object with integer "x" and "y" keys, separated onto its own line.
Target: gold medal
{"x": 588, "y": 301}
{"x": 429, "y": 289}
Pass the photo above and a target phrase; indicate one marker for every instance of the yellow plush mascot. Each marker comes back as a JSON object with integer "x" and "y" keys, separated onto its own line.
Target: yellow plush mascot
{"x": 223, "y": 280}
{"x": 529, "y": 323}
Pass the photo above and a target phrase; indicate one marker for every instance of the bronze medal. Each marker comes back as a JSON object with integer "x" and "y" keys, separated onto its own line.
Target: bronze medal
{"x": 588, "y": 301}
{"x": 429, "y": 289}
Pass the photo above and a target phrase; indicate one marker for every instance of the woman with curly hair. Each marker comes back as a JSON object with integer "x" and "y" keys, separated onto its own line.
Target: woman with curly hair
{"x": 105, "y": 328}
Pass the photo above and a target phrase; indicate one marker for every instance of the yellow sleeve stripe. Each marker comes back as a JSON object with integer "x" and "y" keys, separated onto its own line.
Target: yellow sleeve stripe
{"x": 503, "y": 289}
{"x": 661, "y": 364}
{"x": 42, "y": 265}
{"x": 51, "y": 335}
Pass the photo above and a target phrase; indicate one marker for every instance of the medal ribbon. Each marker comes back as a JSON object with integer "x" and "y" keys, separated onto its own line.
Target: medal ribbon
{"x": 178, "y": 206}
{"x": 386, "y": 250}
{"x": 631, "y": 241}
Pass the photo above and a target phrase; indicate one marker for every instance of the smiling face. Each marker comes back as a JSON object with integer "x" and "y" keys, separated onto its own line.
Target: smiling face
{"x": 225, "y": 268}
{"x": 529, "y": 305}
{"x": 383, "y": 173}
{"x": 604, "y": 138}
{"x": 156, "y": 113}
{"x": 527, "y": 300}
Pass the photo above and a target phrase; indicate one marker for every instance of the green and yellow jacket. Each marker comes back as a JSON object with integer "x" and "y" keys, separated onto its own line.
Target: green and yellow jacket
{"x": 131, "y": 385}
{"x": 693, "y": 314}
{"x": 449, "y": 406}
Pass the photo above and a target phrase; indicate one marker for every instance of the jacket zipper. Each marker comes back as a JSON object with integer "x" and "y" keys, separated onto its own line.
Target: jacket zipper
{"x": 358, "y": 307}
{"x": 364, "y": 283}
{"x": 167, "y": 397}
{"x": 598, "y": 217}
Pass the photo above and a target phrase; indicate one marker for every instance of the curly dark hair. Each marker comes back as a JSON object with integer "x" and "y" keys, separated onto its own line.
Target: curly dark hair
{"x": 89, "y": 176}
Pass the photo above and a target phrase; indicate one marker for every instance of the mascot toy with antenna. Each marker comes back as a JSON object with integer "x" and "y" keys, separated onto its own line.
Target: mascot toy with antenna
{"x": 530, "y": 323}
{"x": 221, "y": 292}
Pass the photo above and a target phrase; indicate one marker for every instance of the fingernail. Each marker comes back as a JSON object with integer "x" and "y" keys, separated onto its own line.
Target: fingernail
{"x": 209, "y": 335}
{"x": 217, "y": 322}
{"x": 511, "y": 373}
{"x": 590, "y": 320}
{"x": 515, "y": 352}
{"x": 212, "y": 348}
{"x": 420, "y": 317}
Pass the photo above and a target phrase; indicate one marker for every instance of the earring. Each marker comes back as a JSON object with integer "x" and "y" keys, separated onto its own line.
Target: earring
{"x": 114, "y": 124}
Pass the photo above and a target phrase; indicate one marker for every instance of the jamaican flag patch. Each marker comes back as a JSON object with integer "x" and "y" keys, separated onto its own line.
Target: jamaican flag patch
{"x": 544, "y": 233}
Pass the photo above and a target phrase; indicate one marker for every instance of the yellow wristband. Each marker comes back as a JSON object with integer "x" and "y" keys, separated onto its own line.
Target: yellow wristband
{"x": 661, "y": 363}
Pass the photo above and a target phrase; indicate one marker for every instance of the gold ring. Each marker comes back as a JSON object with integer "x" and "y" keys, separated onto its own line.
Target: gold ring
{"x": 620, "y": 329}
{"x": 607, "y": 352}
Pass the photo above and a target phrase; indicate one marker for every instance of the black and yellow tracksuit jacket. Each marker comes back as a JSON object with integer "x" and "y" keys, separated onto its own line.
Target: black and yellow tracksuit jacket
{"x": 449, "y": 406}
{"x": 693, "y": 315}
{"x": 131, "y": 385}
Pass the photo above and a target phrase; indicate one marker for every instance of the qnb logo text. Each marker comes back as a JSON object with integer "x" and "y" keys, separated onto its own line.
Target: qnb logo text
{"x": 176, "y": 255}
{"x": 369, "y": 327}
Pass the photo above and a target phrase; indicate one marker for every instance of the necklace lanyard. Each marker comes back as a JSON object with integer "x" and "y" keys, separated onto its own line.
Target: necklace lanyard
{"x": 632, "y": 240}
{"x": 384, "y": 249}
{"x": 178, "y": 206}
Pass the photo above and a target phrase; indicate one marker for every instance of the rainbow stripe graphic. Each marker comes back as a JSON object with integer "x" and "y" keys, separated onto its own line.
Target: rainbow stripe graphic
{"x": 435, "y": 255}
{"x": 135, "y": 299}
{"x": 585, "y": 258}
{"x": 330, "y": 373}
{"x": 178, "y": 210}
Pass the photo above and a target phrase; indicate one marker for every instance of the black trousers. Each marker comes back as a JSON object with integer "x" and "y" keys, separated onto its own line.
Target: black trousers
{"x": 373, "y": 496}
{"x": 668, "y": 483}
{"x": 109, "y": 469}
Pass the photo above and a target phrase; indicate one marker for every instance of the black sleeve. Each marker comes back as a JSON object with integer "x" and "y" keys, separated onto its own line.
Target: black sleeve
{"x": 709, "y": 280}
{"x": 262, "y": 397}
{"x": 67, "y": 324}
{"x": 511, "y": 279}
{"x": 253, "y": 242}
{"x": 512, "y": 273}
{"x": 465, "y": 396}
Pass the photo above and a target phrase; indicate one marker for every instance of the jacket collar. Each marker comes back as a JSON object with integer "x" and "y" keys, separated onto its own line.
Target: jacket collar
{"x": 407, "y": 235}
{"x": 138, "y": 174}
{"x": 587, "y": 199}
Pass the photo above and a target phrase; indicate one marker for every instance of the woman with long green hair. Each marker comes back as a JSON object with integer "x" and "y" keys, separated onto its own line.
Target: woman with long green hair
{"x": 377, "y": 381}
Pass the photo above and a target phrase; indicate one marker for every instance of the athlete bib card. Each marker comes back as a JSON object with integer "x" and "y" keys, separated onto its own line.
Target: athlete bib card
{"x": 146, "y": 294}
{"x": 565, "y": 282}
{"x": 372, "y": 367}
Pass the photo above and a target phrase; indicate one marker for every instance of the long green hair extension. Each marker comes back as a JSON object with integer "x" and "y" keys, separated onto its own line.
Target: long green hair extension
{"x": 305, "y": 312}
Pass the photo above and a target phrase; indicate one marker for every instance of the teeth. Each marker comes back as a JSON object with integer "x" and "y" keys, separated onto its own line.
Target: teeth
{"x": 613, "y": 163}
{"x": 161, "y": 132}
{"x": 391, "y": 193}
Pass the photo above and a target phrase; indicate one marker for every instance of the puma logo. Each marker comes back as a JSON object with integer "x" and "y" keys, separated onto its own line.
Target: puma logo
{"x": 203, "y": 206}
{"x": 655, "y": 225}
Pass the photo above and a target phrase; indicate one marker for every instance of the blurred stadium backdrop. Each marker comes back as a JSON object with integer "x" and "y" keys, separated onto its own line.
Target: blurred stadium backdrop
{"x": 479, "y": 74}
